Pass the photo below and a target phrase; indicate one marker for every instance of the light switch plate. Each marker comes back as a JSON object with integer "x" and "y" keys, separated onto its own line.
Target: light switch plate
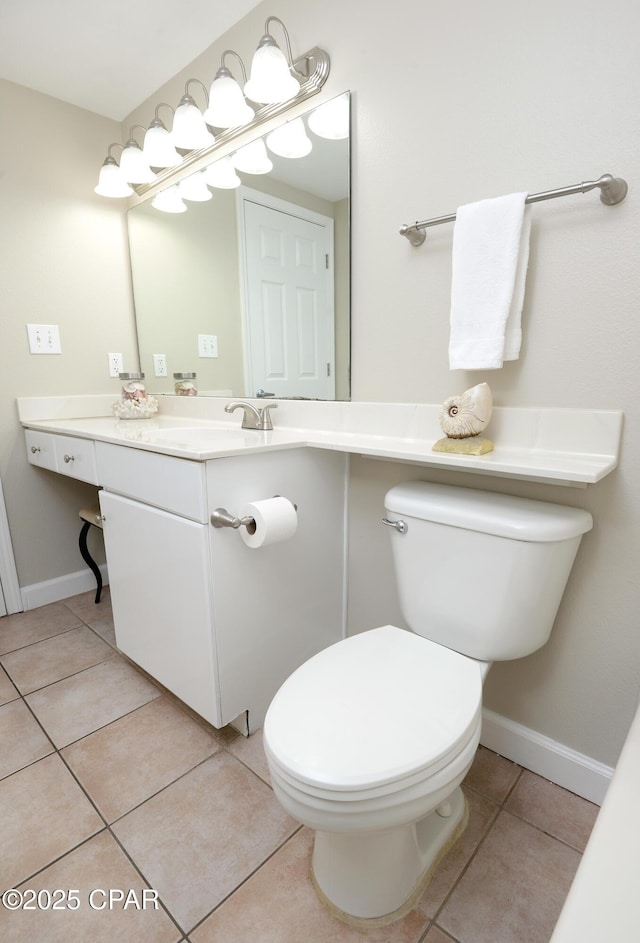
{"x": 207, "y": 345}
{"x": 44, "y": 338}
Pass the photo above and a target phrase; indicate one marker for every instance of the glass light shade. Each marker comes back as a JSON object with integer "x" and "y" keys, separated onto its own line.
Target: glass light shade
{"x": 331, "y": 120}
{"x": 169, "y": 201}
{"x": 111, "y": 182}
{"x": 195, "y": 188}
{"x": 270, "y": 81}
{"x": 227, "y": 106}
{"x": 133, "y": 165}
{"x": 190, "y": 131}
{"x": 253, "y": 158}
{"x": 222, "y": 174}
{"x": 290, "y": 140}
{"x": 158, "y": 149}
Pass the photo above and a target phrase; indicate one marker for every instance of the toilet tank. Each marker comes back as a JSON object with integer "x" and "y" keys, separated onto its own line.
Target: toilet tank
{"x": 478, "y": 572}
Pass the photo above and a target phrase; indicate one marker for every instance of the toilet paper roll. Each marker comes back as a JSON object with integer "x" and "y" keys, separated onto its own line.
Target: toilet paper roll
{"x": 275, "y": 520}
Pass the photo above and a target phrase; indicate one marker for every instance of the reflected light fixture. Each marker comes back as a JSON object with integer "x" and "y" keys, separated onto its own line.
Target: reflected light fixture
{"x": 227, "y": 105}
{"x": 290, "y": 140}
{"x": 195, "y": 188}
{"x": 331, "y": 120}
{"x": 222, "y": 174}
{"x": 111, "y": 182}
{"x": 133, "y": 165}
{"x": 190, "y": 132}
{"x": 253, "y": 158}
{"x": 271, "y": 80}
{"x": 169, "y": 201}
{"x": 158, "y": 149}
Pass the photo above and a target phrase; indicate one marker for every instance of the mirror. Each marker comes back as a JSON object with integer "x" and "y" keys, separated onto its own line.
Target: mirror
{"x": 249, "y": 290}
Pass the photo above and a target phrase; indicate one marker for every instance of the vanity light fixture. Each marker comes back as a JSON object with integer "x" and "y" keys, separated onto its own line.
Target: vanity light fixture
{"x": 222, "y": 174}
{"x": 111, "y": 182}
{"x": 169, "y": 201}
{"x": 290, "y": 140}
{"x": 190, "y": 132}
{"x": 158, "y": 149}
{"x": 227, "y": 105}
{"x": 331, "y": 120}
{"x": 194, "y": 188}
{"x": 277, "y": 83}
{"x": 271, "y": 79}
{"x": 133, "y": 165}
{"x": 253, "y": 158}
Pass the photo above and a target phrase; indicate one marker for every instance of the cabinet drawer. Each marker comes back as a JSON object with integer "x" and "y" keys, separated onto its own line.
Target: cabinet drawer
{"x": 164, "y": 481}
{"x": 76, "y": 458}
{"x": 64, "y": 454}
{"x": 40, "y": 449}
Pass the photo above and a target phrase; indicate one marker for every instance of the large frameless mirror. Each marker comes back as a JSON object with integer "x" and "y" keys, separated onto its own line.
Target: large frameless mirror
{"x": 244, "y": 281}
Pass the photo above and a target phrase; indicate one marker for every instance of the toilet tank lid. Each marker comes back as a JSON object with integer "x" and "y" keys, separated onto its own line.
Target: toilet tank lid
{"x": 503, "y": 515}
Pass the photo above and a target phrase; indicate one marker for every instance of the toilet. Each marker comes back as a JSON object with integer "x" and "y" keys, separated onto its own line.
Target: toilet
{"x": 368, "y": 741}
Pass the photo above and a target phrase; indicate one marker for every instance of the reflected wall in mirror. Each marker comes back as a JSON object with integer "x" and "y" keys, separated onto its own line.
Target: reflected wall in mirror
{"x": 249, "y": 289}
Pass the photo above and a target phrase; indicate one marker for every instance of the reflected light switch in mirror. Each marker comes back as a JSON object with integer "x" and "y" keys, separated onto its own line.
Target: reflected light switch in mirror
{"x": 207, "y": 345}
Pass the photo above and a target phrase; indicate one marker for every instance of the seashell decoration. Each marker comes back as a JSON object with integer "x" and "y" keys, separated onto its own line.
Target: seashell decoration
{"x": 466, "y": 415}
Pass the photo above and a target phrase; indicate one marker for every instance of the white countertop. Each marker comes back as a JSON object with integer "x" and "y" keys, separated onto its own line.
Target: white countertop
{"x": 563, "y": 446}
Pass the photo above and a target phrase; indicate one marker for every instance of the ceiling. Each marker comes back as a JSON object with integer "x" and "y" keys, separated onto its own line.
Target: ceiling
{"x": 107, "y": 56}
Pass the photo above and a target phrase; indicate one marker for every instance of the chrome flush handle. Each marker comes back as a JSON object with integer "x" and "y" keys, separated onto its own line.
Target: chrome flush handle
{"x": 401, "y": 526}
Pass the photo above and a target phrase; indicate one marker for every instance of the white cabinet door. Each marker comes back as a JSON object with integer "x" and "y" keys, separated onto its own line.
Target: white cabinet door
{"x": 161, "y": 591}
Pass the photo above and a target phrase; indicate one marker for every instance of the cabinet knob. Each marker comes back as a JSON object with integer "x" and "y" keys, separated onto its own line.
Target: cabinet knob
{"x": 34, "y": 449}
{"x": 69, "y": 458}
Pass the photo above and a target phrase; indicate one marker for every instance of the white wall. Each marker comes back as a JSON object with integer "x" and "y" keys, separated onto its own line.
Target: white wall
{"x": 63, "y": 260}
{"x": 453, "y": 102}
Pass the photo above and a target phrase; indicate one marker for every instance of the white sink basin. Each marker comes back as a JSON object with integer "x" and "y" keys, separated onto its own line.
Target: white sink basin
{"x": 198, "y": 436}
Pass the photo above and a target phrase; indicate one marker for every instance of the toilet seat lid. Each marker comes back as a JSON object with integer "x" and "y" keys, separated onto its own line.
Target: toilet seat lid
{"x": 373, "y": 709}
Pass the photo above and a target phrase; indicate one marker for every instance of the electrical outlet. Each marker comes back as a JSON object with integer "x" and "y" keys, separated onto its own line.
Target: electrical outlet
{"x": 160, "y": 365}
{"x": 116, "y": 364}
{"x": 44, "y": 338}
{"x": 207, "y": 345}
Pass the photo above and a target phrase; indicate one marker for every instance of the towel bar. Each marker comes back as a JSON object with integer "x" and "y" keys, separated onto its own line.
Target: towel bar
{"x": 612, "y": 190}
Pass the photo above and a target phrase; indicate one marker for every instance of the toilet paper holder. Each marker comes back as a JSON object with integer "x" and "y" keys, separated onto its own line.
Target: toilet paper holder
{"x": 222, "y": 518}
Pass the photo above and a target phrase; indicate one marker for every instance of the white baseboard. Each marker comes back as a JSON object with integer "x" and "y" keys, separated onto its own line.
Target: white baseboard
{"x": 40, "y": 594}
{"x": 555, "y": 761}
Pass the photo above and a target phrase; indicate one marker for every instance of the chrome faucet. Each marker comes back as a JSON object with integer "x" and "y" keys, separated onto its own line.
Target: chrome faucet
{"x": 253, "y": 418}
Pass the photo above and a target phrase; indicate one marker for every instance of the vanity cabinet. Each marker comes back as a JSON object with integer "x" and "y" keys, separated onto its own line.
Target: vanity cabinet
{"x": 219, "y": 624}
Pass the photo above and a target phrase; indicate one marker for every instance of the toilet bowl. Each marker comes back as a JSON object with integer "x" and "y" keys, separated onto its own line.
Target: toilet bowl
{"x": 368, "y": 741}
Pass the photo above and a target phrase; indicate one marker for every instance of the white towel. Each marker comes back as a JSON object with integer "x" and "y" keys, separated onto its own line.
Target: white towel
{"x": 490, "y": 256}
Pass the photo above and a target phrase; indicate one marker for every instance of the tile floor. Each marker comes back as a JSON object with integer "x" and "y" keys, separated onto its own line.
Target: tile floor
{"x": 107, "y": 784}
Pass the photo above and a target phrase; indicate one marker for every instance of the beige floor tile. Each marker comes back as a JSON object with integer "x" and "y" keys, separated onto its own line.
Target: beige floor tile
{"x": 513, "y": 889}
{"x": 203, "y": 835}
{"x": 85, "y": 607}
{"x": 553, "y": 809}
{"x": 44, "y": 814}
{"x": 106, "y": 631}
{"x": 23, "y": 628}
{"x": 22, "y": 738}
{"x": 52, "y": 659}
{"x": 436, "y": 935}
{"x": 482, "y": 813}
{"x": 124, "y": 763}
{"x": 491, "y": 775}
{"x": 96, "y": 866}
{"x": 249, "y": 750}
{"x": 8, "y": 690}
{"x": 72, "y": 708}
{"x": 279, "y": 905}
